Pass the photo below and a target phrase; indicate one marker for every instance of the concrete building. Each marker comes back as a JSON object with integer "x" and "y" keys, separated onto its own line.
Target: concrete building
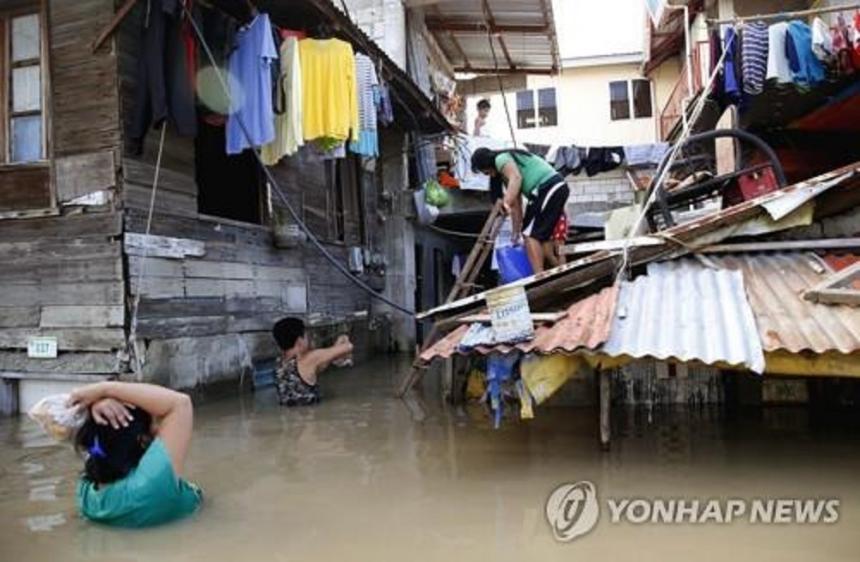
{"x": 600, "y": 97}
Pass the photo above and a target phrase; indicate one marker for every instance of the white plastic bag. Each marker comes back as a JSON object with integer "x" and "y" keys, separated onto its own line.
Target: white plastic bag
{"x": 56, "y": 417}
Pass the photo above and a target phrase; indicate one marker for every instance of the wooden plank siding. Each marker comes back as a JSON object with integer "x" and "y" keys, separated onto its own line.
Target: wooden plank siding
{"x": 84, "y": 96}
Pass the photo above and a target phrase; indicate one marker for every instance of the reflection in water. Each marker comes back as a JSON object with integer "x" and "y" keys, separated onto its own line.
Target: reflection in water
{"x": 357, "y": 477}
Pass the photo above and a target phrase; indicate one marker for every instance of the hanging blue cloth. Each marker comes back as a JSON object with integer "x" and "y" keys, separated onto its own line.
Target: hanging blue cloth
{"x": 806, "y": 69}
{"x": 500, "y": 369}
{"x": 731, "y": 81}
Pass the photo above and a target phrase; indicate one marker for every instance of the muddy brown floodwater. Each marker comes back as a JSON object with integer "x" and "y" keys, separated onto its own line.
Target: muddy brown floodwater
{"x": 358, "y": 478}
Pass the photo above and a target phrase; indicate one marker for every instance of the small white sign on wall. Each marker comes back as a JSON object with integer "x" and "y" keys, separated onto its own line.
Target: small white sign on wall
{"x": 42, "y": 347}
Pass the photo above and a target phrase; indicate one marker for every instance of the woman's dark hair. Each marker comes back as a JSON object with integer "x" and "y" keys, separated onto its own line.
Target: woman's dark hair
{"x": 287, "y": 331}
{"x": 485, "y": 159}
{"x": 112, "y": 453}
{"x": 484, "y": 104}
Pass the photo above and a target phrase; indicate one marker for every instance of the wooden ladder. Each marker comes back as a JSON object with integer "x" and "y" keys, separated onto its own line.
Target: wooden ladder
{"x": 462, "y": 287}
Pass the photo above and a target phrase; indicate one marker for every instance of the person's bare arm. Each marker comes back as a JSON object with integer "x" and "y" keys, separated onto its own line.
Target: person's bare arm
{"x": 517, "y": 222}
{"x": 174, "y": 410}
{"x": 513, "y": 199}
{"x": 319, "y": 360}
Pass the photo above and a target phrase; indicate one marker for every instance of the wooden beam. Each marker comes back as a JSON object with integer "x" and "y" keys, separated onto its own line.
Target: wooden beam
{"x": 589, "y": 247}
{"x": 827, "y": 244}
{"x": 507, "y": 53}
{"x": 538, "y": 317}
{"x": 460, "y": 50}
{"x": 829, "y": 291}
{"x": 491, "y": 21}
{"x": 437, "y": 24}
{"x": 114, "y": 24}
{"x": 503, "y": 70}
{"x": 830, "y": 364}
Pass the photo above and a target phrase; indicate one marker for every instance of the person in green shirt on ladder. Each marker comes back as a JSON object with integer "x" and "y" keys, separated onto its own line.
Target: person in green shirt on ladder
{"x": 133, "y": 470}
{"x": 527, "y": 175}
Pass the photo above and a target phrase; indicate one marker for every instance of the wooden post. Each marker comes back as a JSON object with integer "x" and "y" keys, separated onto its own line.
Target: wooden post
{"x": 465, "y": 281}
{"x": 605, "y": 396}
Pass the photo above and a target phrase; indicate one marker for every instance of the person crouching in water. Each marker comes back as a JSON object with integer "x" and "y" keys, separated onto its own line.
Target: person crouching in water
{"x": 299, "y": 365}
{"x": 527, "y": 175}
{"x": 133, "y": 472}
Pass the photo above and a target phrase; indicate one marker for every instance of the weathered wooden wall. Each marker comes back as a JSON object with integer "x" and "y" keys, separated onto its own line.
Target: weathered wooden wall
{"x": 206, "y": 311}
{"x": 62, "y": 275}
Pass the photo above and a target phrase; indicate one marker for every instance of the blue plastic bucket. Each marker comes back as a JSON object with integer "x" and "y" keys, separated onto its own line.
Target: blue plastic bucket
{"x": 513, "y": 263}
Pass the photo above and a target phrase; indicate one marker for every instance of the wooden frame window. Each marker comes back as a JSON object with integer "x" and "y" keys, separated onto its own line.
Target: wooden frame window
{"x": 23, "y": 61}
{"x": 623, "y": 105}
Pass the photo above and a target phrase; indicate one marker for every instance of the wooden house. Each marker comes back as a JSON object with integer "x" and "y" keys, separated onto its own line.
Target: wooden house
{"x": 218, "y": 259}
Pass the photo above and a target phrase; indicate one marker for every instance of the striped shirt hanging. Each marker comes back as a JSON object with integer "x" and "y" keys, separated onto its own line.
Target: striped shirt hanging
{"x": 754, "y": 57}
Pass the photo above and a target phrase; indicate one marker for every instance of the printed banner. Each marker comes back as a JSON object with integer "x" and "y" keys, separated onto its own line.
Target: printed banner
{"x": 510, "y": 315}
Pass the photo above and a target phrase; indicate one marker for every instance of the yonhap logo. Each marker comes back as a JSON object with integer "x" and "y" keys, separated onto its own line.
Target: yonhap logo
{"x": 572, "y": 510}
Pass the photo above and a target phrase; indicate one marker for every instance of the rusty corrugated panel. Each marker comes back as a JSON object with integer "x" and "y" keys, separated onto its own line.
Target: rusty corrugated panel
{"x": 683, "y": 310}
{"x": 786, "y": 321}
{"x": 586, "y": 326}
{"x": 838, "y": 262}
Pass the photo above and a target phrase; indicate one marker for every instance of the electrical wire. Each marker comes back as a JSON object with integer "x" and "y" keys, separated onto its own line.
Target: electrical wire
{"x": 441, "y": 230}
{"x": 501, "y": 85}
{"x": 276, "y": 186}
{"x": 135, "y": 307}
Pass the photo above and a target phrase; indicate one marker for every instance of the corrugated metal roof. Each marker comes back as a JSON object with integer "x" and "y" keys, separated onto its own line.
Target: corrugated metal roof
{"x": 586, "y": 325}
{"x": 775, "y": 285}
{"x": 685, "y": 311}
{"x": 709, "y": 229}
{"x": 523, "y": 31}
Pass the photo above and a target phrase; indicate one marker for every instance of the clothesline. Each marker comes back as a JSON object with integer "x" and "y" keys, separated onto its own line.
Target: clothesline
{"x": 786, "y": 15}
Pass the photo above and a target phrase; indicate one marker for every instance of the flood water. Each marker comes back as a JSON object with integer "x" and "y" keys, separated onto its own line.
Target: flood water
{"x": 359, "y": 478}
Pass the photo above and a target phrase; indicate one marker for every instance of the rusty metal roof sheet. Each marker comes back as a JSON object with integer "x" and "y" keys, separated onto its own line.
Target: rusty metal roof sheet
{"x": 683, "y": 310}
{"x": 775, "y": 285}
{"x": 523, "y": 34}
{"x": 586, "y": 326}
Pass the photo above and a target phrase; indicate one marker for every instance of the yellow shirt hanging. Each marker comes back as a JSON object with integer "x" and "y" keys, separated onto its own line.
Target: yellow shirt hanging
{"x": 329, "y": 95}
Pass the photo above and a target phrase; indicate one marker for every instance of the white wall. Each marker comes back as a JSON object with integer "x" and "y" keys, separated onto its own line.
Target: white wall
{"x": 588, "y": 28}
{"x": 385, "y": 22}
{"x": 582, "y": 95}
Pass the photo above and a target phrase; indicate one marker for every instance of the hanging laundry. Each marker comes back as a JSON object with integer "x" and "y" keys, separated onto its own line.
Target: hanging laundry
{"x": 164, "y": 87}
{"x": 854, "y": 36}
{"x": 251, "y": 87}
{"x": 716, "y": 51}
{"x": 367, "y": 85}
{"x": 822, "y": 40}
{"x": 329, "y": 97}
{"x": 645, "y": 154}
{"x": 425, "y": 158}
{"x": 457, "y": 265}
{"x": 500, "y": 372}
{"x": 219, "y": 32}
{"x": 754, "y": 57}
{"x": 777, "y": 61}
{"x": 386, "y": 110}
{"x": 806, "y": 69}
{"x": 288, "y": 106}
{"x": 569, "y": 160}
{"x": 603, "y": 159}
{"x": 731, "y": 77}
{"x": 842, "y": 46}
